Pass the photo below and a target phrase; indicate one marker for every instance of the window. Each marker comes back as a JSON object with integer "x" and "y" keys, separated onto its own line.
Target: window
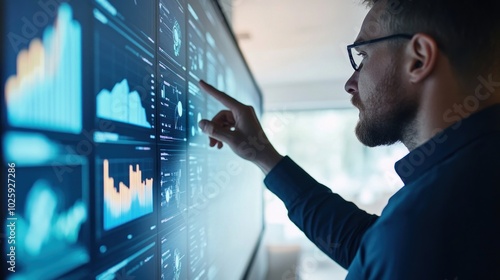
{"x": 325, "y": 145}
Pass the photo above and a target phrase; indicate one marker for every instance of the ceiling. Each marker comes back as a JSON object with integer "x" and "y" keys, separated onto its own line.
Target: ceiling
{"x": 296, "y": 49}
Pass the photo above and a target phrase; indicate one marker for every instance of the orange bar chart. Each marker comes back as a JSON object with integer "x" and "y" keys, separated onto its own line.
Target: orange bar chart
{"x": 126, "y": 202}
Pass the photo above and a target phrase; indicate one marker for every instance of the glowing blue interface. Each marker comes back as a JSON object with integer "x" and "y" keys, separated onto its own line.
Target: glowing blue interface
{"x": 106, "y": 172}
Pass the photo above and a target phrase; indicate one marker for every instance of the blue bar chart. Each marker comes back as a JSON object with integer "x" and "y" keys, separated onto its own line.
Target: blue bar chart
{"x": 46, "y": 92}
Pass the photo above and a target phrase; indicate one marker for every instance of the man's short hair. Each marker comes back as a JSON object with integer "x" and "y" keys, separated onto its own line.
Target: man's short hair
{"x": 466, "y": 31}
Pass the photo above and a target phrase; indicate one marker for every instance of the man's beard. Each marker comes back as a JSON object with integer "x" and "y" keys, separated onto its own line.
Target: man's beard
{"x": 386, "y": 114}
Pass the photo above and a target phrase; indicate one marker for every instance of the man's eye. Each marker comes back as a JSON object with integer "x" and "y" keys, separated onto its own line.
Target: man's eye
{"x": 361, "y": 54}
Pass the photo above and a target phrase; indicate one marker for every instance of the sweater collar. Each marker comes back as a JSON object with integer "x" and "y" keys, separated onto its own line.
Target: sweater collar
{"x": 447, "y": 142}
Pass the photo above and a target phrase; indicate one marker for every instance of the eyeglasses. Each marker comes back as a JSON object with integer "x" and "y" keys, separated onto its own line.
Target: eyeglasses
{"x": 356, "y": 61}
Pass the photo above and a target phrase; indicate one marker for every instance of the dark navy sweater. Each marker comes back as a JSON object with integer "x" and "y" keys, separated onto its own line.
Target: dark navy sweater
{"x": 443, "y": 224}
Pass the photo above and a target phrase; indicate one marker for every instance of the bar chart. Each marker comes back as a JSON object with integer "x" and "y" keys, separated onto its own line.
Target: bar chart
{"x": 124, "y": 202}
{"x": 46, "y": 93}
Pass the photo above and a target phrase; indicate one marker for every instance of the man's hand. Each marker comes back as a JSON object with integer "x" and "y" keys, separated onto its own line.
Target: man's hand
{"x": 239, "y": 128}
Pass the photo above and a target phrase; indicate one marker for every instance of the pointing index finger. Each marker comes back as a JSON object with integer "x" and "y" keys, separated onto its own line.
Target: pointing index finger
{"x": 223, "y": 98}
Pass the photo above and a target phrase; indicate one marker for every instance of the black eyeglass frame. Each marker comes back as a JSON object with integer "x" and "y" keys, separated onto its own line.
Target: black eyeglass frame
{"x": 350, "y": 47}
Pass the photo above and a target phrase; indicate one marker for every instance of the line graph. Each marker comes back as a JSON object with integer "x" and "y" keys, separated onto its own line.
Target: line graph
{"x": 121, "y": 104}
{"x": 46, "y": 92}
{"x": 124, "y": 79}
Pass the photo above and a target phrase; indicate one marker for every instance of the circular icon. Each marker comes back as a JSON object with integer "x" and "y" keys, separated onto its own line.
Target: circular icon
{"x": 168, "y": 195}
{"x": 177, "y": 38}
{"x": 179, "y": 109}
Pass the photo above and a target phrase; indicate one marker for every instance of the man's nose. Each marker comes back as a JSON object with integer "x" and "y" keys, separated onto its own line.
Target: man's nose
{"x": 351, "y": 86}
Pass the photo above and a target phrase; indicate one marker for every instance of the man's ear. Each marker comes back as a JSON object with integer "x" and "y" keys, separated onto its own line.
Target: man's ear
{"x": 422, "y": 52}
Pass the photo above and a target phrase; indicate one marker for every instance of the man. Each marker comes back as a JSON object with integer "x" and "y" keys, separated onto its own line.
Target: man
{"x": 429, "y": 76}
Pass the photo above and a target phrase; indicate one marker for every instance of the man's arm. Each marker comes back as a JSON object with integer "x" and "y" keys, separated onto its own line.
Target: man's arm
{"x": 335, "y": 225}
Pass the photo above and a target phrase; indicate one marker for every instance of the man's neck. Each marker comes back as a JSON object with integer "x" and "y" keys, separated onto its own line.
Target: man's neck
{"x": 444, "y": 104}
